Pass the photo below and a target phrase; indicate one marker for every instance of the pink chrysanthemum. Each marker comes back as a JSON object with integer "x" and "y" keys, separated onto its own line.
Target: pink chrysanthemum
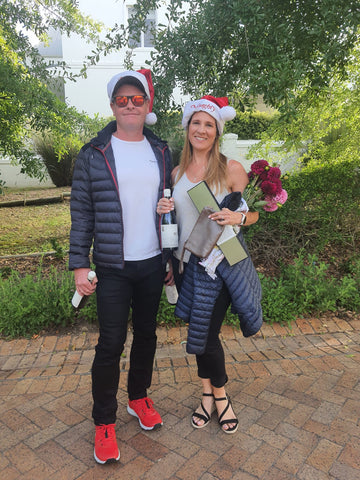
{"x": 274, "y": 202}
{"x": 281, "y": 197}
{"x": 270, "y": 206}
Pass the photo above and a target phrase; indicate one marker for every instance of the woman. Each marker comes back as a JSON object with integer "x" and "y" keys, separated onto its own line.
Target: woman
{"x": 201, "y": 159}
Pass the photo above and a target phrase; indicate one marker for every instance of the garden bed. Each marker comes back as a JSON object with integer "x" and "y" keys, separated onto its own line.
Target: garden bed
{"x": 23, "y": 194}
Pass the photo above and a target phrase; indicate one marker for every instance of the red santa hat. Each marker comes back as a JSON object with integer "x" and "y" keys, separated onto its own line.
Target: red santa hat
{"x": 142, "y": 80}
{"x": 218, "y": 108}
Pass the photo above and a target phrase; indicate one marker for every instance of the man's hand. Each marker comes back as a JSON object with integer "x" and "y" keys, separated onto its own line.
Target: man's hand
{"x": 83, "y": 286}
{"x": 169, "y": 278}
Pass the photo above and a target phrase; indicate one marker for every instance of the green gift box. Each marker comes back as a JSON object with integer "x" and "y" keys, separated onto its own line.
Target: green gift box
{"x": 230, "y": 245}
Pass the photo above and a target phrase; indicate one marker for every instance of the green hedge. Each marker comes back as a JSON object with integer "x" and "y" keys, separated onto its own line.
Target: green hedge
{"x": 33, "y": 303}
{"x": 250, "y": 126}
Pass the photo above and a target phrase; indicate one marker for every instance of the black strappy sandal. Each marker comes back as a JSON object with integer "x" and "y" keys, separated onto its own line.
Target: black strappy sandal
{"x": 230, "y": 420}
{"x": 206, "y": 417}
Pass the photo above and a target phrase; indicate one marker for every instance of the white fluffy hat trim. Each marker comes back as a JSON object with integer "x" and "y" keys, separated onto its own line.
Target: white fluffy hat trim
{"x": 151, "y": 118}
{"x": 218, "y": 108}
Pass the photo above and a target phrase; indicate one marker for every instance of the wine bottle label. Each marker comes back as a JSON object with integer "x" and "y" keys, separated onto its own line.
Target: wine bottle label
{"x": 169, "y": 236}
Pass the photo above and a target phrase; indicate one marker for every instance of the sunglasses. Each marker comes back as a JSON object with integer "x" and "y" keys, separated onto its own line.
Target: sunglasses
{"x": 123, "y": 100}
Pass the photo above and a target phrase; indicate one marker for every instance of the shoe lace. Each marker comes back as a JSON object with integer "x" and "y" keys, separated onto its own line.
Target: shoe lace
{"x": 146, "y": 404}
{"x": 107, "y": 433}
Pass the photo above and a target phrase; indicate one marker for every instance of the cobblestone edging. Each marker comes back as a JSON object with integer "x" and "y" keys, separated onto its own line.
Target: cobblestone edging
{"x": 36, "y": 201}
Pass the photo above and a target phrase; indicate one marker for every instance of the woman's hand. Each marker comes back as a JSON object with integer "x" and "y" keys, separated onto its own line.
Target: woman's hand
{"x": 165, "y": 205}
{"x": 169, "y": 278}
{"x": 228, "y": 217}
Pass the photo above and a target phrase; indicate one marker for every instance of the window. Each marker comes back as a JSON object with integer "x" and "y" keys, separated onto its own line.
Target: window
{"x": 146, "y": 38}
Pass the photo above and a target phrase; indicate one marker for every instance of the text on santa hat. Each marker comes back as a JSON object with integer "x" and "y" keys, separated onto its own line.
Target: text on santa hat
{"x": 204, "y": 106}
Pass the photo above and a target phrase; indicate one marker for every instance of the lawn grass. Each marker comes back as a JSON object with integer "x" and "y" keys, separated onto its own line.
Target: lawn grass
{"x": 30, "y": 229}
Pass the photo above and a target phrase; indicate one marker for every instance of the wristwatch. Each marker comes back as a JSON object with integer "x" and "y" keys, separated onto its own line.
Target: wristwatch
{"x": 243, "y": 219}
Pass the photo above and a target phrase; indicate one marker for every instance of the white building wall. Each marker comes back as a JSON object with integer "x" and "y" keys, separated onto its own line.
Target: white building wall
{"x": 237, "y": 149}
{"x": 89, "y": 94}
{"x": 243, "y": 152}
{"x": 15, "y": 179}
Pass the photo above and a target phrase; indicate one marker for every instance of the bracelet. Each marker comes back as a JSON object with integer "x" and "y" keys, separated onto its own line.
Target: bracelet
{"x": 243, "y": 219}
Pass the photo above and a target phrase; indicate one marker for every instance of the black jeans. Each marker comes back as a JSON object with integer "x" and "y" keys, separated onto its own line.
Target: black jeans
{"x": 211, "y": 364}
{"x": 139, "y": 286}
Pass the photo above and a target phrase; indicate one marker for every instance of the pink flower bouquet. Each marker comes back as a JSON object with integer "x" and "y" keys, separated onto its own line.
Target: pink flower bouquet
{"x": 264, "y": 190}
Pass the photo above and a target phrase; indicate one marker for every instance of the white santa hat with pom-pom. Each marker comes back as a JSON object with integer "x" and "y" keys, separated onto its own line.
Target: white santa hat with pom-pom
{"x": 218, "y": 108}
{"x": 140, "y": 79}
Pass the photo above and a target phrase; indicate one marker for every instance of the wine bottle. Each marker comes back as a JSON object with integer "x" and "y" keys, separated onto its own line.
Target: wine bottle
{"x": 169, "y": 229}
{"x": 78, "y": 301}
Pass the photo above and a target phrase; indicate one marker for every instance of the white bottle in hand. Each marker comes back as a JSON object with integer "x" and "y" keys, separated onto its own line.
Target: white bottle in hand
{"x": 78, "y": 301}
{"x": 171, "y": 294}
{"x": 169, "y": 229}
{"x": 171, "y": 291}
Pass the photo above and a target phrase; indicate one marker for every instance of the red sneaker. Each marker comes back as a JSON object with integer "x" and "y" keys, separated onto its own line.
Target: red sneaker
{"x": 106, "y": 448}
{"x": 143, "y": 409}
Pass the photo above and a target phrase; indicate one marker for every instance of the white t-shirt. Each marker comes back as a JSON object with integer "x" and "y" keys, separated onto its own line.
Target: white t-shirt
{"x": 138, "y": 179}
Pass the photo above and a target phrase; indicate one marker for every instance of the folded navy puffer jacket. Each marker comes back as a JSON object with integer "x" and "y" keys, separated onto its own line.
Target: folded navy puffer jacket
{"x": 199, "y": 292}
{"x": 96, "y": 212}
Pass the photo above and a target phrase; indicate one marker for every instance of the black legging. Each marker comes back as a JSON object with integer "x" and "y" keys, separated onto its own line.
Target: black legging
{"x": 211, "y": 364}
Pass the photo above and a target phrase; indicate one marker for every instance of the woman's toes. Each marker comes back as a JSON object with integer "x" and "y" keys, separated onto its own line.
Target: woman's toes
{"x": 198, "y": 421}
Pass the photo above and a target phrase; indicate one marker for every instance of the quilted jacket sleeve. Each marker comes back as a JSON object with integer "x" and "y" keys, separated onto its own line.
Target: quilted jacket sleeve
{"x": 82, "y": 213}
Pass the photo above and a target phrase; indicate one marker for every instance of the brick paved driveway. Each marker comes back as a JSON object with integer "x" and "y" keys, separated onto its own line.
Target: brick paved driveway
{"x": 297, "y": 394}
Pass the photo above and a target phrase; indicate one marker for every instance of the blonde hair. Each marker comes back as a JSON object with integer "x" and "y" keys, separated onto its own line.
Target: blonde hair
{"x": 215, "y": 175}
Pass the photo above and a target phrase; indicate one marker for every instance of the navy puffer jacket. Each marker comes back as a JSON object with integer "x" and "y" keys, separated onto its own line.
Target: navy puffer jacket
{"x": 199, "y": 292}
{"x": 96, "y": 212}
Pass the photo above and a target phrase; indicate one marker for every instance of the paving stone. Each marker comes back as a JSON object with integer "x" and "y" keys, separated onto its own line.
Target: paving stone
{"x": 324, "y": 455}
{"x": 295, "y": 391}
{"x": 261, "y": 460}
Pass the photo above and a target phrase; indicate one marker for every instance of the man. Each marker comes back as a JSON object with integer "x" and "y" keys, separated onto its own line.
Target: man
{"x": 118, "y": 179}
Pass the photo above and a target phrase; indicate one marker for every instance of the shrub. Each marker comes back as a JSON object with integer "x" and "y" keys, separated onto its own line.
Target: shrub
{"x": 59, "y": 154}
{"x": 59, "y": 166}
{"x": 322, "y": 211}
{"x": 250, "y": 125}
{"x": 166, "y": 312}
{"x": 2, "y": 186}
{"x": 349, "y": 288}
{"x": 305, "y": 287}
{"x": 31, "y": 303}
